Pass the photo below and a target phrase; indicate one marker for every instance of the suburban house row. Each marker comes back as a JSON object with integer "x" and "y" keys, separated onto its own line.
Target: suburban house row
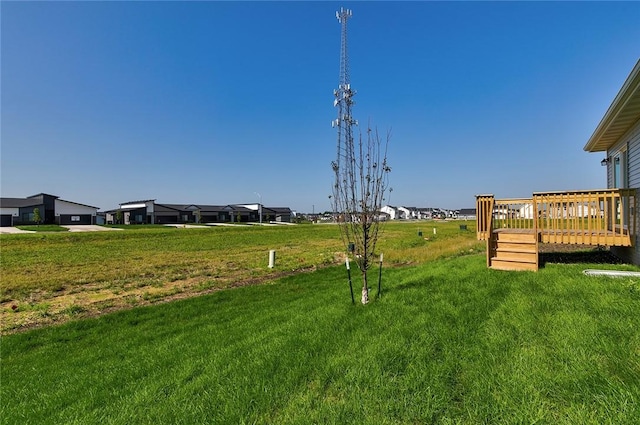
{"x": 151, "y": 212}
{"x": 413, "y": 213}
{"x": 53, "y": 210}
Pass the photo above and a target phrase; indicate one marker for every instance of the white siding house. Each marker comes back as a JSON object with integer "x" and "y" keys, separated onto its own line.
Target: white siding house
{"x": 404, "y": 213}
{"x": 391, "y": 211}
{"x": 618, "y": 134}
{"x": 396, "y": 213}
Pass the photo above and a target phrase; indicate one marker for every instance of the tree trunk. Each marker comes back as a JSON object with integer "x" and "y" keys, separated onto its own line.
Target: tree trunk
{"x": 365, "y": 288}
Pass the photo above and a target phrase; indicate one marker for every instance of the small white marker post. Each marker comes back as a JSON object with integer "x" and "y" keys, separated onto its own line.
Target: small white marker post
{"x": 380, "y": 275}
{"x": 353, "y": 301}
{"x": 434, "y": 230}
{"x": 272, "y": 258}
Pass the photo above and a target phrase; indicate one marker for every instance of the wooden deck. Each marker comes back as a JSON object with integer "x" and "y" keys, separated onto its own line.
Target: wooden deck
{"x": 513, "y": 228}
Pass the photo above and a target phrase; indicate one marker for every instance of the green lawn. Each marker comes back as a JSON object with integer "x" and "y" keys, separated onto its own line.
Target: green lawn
{"x": 48, "y": 278}
{"x": 449, "y": 342}
{"x": 43, "y": 228}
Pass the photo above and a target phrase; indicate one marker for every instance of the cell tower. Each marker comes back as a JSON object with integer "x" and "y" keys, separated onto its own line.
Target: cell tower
{"x": 344, "y": 164}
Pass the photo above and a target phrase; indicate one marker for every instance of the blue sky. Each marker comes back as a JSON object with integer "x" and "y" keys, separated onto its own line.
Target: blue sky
{"x": 213, "y": 102}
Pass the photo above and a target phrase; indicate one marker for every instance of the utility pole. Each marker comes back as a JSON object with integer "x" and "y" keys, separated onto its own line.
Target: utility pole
{"x": 259, "y": 206}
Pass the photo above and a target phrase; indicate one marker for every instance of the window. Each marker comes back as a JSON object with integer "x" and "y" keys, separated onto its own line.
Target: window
{"x": 620, "y": 170}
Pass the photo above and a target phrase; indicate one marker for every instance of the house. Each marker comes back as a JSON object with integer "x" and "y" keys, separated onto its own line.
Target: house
{"x": 424, "y": 213}
{"x": 280, "y": 214}
{"x": 618, "y": 135}
{"x": 395, "y": 213}
{"x": 390, "y": 211}
{"x": 151, "y": 212}
{"x": 52, "y": 210}
{"x": 419, "y": 213}
{"x": 438, "y": 214}
{"x": 601, "y": 217}
{"x": 467, "y": 214}
{"x": 404, "y": 213}
{"x": 269, "y": 214}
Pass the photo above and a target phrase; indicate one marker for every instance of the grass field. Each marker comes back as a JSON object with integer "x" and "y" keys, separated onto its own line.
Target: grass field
{"x": 449, "y": 342}
{"x": 54, "y": 277}
{"x": 43, "y": 228}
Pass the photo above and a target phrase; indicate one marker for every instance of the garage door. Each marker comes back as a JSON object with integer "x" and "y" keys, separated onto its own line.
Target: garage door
{"x": 5, "y": 220}
{"x": 67, "y": 219}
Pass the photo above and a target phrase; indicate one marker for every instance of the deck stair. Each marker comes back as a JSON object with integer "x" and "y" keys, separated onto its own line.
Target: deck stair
{"x": 514, "y": 249}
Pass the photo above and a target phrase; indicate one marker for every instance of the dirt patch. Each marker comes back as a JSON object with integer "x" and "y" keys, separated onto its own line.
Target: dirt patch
{"x": 91, "y": 300}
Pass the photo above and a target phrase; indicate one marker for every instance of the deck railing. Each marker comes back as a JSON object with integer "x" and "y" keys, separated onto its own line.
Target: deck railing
{"x": 589, "y": 217}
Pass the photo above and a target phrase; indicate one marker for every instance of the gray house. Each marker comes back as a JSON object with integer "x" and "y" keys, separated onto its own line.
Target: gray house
{"x": 151, "y": 212}
{"x": 618, "y": 134}
{"x": 52, "y": 209}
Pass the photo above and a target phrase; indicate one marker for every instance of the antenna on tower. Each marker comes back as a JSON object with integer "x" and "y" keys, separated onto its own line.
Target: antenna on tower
{"x": 343, "y": 101}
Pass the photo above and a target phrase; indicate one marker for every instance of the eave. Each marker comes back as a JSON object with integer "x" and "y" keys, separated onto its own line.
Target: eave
{"x": 623, "y": 114}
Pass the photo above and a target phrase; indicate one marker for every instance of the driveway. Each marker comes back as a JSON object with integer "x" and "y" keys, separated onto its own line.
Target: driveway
{"x": 89, "y": 228}
{"x": 13, "y": 230}
{"x": 72, "y": 228}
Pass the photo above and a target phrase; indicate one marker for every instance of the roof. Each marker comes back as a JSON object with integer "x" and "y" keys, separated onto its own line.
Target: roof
{"x": 621, "y": 116}
{"x": 42, "y": 194}
{"x": 33, "y": 201}
{"x": 176, "y": 207}
{"x": 202, "y": 208}
{"x": 213, "y": 208}
{"x": 281, "y": 210}
{"x": 138, "y": 202}
{"x": 238, "y": 208}
{"x": 76, "y": 203}
{"x": 19, "y": 202}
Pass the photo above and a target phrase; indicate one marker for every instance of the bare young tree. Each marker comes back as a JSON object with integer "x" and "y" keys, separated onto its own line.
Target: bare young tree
{"x": 361, "y": 181}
